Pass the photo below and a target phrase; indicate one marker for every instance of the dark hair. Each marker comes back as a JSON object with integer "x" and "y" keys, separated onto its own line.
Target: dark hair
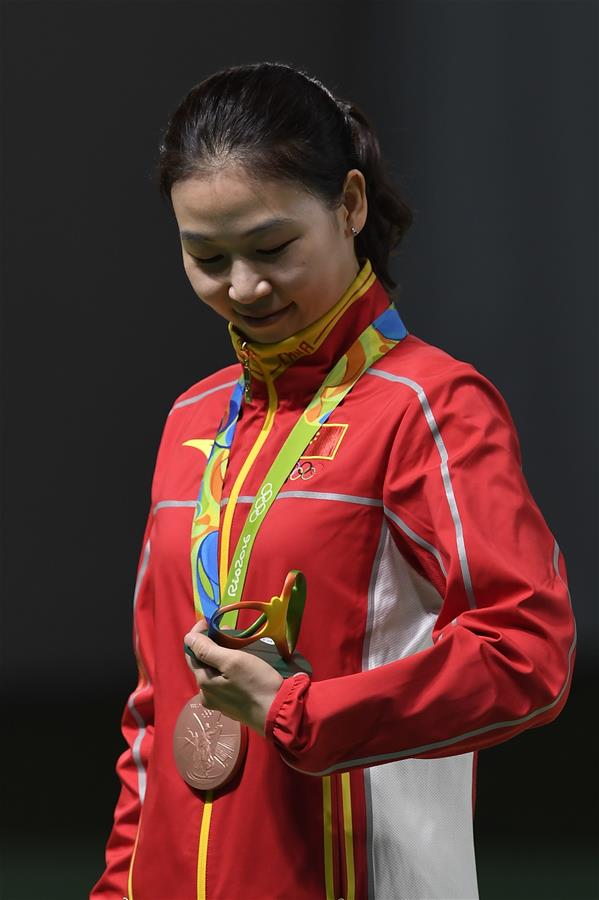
{"x": 273, "y": 118}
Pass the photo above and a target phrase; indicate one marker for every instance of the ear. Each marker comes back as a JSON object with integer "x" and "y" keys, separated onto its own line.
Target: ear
{"x": 354, "y": 200}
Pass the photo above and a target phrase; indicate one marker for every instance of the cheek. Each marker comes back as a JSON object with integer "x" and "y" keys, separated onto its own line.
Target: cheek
{"x": 216, "y": 299}
{"x": 207, "y": 290}
{"x": 191, "y": 272}
{"x": 305, "y": 283}
{"x": 297, "y": 280}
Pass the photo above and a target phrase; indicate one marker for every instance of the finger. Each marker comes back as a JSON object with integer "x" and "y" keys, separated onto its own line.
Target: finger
{"x": 199, "y": 669}
{"x": 200, "y": 625}
{"x": 210, "y": 700}
{"x": 204, "y": 700}
{"x": 206, "y": 652}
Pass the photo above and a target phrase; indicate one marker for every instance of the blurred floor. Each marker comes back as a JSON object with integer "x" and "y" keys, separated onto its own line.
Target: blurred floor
{"x": 66, "y": 871}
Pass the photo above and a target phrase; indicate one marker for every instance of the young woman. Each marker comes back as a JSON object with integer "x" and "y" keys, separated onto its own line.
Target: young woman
{"x": 347, "y": 458}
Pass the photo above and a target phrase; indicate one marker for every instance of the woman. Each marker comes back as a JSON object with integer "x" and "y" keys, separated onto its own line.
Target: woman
{"x": 437, "y": 619}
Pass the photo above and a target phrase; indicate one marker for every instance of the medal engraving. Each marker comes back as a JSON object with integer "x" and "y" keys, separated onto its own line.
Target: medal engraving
{"x": 209, "y": 747}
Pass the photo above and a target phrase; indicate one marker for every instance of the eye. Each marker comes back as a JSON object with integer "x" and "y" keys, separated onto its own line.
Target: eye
{"x": 275, "y": 249}
{"x": 212, "y": 259}
{"x": 272, "y": 252}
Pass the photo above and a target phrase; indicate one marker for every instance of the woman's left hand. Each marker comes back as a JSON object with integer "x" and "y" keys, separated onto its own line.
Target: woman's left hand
{"x": 238, "y": 684}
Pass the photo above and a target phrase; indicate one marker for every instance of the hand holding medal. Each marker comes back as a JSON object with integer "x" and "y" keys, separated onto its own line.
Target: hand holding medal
{"x": 238, "y": 685}
{"x": 278, "y": 625}
{"x": 237, "y": 689}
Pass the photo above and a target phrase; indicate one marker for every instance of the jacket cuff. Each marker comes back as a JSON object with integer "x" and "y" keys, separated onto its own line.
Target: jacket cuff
{"x": 286, "y": 710}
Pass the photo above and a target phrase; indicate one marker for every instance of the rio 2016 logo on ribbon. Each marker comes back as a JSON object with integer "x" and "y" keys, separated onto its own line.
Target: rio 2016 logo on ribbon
{"x": 238, "y": 565}
{"x": 261, "y": 500}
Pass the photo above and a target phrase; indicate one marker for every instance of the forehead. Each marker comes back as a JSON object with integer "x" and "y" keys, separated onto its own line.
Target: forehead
{"x": 228, "y": 202}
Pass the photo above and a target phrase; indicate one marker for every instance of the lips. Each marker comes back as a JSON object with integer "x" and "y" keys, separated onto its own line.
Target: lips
{"x": 258, "y": 319}
{"x": 267, "y": 316}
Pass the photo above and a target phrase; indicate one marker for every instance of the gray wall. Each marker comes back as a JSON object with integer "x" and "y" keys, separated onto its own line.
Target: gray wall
{"x": 487, "y": 114}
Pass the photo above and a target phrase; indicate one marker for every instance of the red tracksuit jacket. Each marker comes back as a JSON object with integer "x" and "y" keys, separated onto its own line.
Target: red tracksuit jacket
{"x": 437, "y": 622}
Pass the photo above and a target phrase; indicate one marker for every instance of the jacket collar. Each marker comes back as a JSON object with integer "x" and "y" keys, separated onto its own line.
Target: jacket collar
{"x": 299, "y": 364}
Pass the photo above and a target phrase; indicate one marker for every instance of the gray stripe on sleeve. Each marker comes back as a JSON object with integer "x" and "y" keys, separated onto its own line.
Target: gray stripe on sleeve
{"x": 442, "y": 450}
{"x": 169, "y": 504}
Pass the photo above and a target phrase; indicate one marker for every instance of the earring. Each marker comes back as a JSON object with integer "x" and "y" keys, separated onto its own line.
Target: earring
{"x": 354, "y": 232}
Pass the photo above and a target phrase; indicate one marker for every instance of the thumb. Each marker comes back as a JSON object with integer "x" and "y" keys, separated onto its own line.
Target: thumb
{"x": 205, "y": 651}
{"x": 200, "y": 625}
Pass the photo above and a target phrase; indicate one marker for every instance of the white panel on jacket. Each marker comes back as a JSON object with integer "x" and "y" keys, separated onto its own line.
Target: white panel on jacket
{"x": 420, "y": 841}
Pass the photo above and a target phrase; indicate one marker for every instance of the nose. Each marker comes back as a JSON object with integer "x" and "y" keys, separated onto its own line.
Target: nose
{"x": 247, "y": 285}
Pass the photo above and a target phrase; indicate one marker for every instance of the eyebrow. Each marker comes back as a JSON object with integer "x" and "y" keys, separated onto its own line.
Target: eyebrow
{"x": 265, "y": 226}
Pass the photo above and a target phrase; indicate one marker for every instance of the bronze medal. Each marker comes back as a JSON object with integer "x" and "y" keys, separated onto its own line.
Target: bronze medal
{"x": 209, "y": 747}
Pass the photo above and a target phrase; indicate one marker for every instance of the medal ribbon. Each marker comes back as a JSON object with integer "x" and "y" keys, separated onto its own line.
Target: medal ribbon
{"x": 377, "y": 339}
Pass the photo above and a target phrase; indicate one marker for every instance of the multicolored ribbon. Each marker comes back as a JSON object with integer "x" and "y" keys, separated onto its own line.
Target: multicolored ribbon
{"x": 377, "y": 339}
{"x": 206, "y": 520}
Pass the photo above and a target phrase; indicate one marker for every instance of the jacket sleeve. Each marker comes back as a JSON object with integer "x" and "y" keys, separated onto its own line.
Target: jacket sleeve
{"x": 502, "y": 646}
{"x": 137, "y": 725}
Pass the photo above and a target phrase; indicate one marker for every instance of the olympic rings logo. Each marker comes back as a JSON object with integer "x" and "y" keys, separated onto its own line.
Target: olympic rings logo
{"x": 305, "y": 471}
{"x": 261, "y": 501}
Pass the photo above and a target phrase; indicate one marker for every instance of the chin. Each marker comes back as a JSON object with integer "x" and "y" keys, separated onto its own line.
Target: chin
{"x": 272, "y": 338}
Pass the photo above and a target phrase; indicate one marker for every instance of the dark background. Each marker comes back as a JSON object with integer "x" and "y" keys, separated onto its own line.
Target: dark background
{"x": 486, "y": 111}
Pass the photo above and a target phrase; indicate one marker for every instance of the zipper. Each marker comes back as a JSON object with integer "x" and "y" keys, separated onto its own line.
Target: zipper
{"x": 204, "y": 836}
{"x": 247, "y": 374}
